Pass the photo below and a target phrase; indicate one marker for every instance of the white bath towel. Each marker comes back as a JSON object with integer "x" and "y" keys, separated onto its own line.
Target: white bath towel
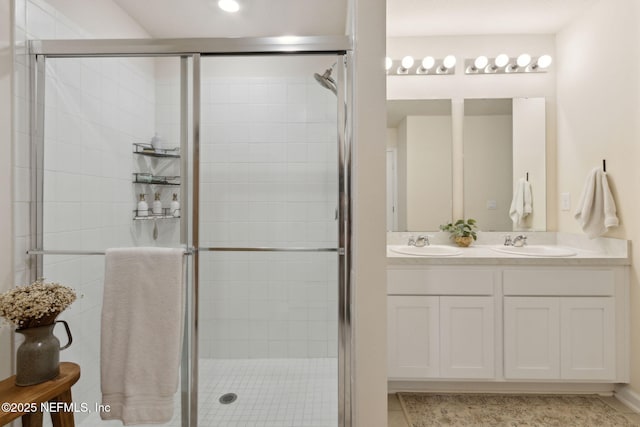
{"x": 596, "y": 210}
{"x": 142, "y": 321}
{"x": 521, "y": 205}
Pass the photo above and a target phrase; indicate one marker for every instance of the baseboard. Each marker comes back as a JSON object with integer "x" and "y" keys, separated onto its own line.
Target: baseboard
{"x": 603, "y": 389}
{"x": 626, "y": 395}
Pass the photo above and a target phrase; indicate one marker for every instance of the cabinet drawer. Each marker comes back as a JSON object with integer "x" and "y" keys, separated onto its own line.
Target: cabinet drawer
{"x": 559, "y": 282}
{"x": 440, "y": 282}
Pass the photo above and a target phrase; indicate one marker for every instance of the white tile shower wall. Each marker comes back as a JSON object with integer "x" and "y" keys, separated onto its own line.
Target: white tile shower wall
{"x": 269, "y": 178}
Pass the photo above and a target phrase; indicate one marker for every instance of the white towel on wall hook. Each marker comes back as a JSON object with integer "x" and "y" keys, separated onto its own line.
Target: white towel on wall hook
{"x": 521, "y": 205}
{"x": 596, "y": 211}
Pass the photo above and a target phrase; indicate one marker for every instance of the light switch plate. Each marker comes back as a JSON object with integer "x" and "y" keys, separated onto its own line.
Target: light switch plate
{"x": 565, "y": 201}
{"x": 492, "y": 205}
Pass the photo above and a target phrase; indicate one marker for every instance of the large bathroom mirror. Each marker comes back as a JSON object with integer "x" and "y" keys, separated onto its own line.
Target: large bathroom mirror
{"x": 499, "y": 142}
{"x": 419, "y": 164}
{"x": 504, "y": 163}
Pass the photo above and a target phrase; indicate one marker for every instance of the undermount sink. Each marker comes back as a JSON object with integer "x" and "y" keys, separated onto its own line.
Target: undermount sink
{"x": 535, "y": 250}
{"x": 431, "y": 250}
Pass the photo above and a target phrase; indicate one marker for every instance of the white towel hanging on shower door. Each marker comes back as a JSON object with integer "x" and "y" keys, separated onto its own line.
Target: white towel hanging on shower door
{"x": 141, "y": 341}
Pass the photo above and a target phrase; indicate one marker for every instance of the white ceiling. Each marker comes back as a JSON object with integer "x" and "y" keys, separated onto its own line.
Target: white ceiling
{"x": 256, "y": 18}
{"x": 202, "y": 18}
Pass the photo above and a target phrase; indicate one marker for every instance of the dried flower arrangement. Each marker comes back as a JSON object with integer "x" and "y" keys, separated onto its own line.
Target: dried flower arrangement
{"x": 36, "y": 304}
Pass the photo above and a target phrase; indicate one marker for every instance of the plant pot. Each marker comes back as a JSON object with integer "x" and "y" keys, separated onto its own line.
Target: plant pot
{"x": 463, "y": 241}
{"x": 38, "y": 357}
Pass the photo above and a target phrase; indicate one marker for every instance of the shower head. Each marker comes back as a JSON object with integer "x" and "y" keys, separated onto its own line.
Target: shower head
{"x": 326, "y": 81}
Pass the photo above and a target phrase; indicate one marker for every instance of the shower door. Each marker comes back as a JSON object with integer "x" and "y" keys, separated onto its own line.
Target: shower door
{"x": 268, "y": 235}
{"x": 91, "y": 161}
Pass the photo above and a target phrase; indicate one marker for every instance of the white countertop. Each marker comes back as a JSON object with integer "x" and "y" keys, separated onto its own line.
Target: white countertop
{"x": 596, "y": 252}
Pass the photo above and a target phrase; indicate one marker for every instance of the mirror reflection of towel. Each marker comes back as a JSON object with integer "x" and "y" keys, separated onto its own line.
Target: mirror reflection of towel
{"x": 521, "y": 205}
{"x": 596, "y": 211}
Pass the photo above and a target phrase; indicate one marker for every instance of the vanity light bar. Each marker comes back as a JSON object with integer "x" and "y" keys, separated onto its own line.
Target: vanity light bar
{"x": 503, "y": 64}
{"x": 428, "y": 65}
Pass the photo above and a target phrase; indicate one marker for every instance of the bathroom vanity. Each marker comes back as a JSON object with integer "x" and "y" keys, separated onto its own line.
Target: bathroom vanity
{"x": 489, "y": 316}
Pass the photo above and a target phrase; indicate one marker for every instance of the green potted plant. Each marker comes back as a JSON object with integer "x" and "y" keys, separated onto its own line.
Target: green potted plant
{"x": 463, "y": 232}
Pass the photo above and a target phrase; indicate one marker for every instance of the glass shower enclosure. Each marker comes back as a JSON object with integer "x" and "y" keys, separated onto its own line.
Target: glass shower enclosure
{"x": 251, "y": 137}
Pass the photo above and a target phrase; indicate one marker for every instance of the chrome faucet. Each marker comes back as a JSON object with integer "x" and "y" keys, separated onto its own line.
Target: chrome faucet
{"x": 419, "y": 241}
{"x": 519, "y": 241}
{"x": 507, "y": 240}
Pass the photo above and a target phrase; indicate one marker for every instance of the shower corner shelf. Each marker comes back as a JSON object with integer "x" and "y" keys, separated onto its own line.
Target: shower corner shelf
{"x": 149, "y": 150}
{"x": 166, "y": 214}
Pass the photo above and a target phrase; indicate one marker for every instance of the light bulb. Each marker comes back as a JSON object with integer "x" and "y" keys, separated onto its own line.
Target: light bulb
{"x": 523, "y": 60}
{"x": 449, "y": 61}
{"x": 501, "y": 60}
{"x": 544, "y": 61}
{"x": 480, "y": 62}
{"x": 407, "y": 62}
{"x": 388, "y": 63}
{"x": 229, "y": 5}
{"x": 428, "y": 62}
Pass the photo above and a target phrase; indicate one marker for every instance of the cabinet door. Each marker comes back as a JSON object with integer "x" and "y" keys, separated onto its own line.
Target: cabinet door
{"x": 412, "y": 337}
{"x": 467, "y": 337}
{"x": 531, "y": 338}
{"x": 587, "y": 347}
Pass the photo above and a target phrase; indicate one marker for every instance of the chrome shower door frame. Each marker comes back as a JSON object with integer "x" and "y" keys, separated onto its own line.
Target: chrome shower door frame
{"x": 191, "y": 50}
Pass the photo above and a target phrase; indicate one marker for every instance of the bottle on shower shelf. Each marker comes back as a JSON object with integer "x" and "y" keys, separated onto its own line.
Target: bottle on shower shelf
{"x": 175, "y": 206}
{"x": 143, "y": 207}
{"x": 156, "y": 207}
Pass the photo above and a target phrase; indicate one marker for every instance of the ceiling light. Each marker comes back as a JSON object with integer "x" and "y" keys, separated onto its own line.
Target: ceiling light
{"x": 229, "y": 5}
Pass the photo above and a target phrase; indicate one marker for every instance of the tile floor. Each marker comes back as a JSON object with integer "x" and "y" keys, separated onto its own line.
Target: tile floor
{"x": 396, "y": 417}
{"x": 271, "y": 393}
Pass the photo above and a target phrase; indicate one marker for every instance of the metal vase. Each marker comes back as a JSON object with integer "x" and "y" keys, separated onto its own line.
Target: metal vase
{"x": 38, "y": 357}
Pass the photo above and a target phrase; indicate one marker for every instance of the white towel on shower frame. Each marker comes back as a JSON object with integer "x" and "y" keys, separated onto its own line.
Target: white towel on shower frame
{"x": 141, "y": 341}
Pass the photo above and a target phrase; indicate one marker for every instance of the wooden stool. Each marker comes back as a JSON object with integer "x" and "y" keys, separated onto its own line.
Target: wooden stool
{"x": 55, "y": 390}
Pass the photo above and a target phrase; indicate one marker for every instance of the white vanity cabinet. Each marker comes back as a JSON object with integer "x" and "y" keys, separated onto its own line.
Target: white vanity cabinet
{"x": 560, "y": 324}
{"x": 508, "y": 323}
{"x": 441, "y": 324}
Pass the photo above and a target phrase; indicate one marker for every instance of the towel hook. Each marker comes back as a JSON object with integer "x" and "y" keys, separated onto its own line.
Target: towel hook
{"x": 527, "y": 178}
{"x": 604, "y": 165}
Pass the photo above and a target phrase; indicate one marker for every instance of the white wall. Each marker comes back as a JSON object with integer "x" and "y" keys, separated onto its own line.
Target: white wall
{"x": 269, "y": 178}
{"x": 598, "y": 107}
{"x": 6, "y": 118}
{"x": 368, "y": 201}
{"x": 460, "y": 86}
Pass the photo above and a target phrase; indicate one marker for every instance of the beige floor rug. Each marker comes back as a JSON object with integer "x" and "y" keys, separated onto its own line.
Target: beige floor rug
{"x": 427, "y": 409}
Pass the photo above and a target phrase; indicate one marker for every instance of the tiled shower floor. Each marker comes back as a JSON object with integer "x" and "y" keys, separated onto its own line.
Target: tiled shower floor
{"x": 271, "y": 393}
